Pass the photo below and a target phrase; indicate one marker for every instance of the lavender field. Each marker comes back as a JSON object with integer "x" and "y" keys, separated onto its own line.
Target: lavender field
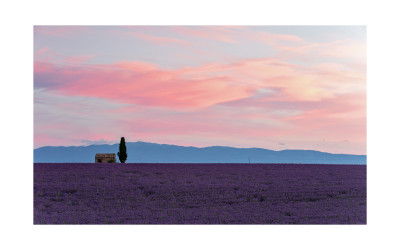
{"x": 77, "y": 193}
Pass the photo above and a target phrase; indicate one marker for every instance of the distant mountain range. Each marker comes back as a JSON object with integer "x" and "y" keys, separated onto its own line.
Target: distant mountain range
{"x": 144, "y": 152}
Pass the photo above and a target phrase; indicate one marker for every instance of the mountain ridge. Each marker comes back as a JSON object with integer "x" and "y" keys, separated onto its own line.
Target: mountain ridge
{"x": 147, "y": 152}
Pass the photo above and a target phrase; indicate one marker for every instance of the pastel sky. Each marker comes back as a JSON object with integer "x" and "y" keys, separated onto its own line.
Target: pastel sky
{"x": 274, "y": 87}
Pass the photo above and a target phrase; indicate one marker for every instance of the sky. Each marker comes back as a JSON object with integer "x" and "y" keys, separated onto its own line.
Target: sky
{"x": 274, "y": 87}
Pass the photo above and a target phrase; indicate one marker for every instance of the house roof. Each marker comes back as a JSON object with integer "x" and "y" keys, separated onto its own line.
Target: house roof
{"x": 105, "y": 155}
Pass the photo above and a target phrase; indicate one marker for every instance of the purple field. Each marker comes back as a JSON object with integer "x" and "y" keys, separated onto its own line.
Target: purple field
{"x": 85, "y": 193}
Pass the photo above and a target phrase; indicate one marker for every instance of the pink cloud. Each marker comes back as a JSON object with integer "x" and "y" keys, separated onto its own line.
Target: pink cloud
{"x": 259, "y": 123}
{"x": 161, "y": 40}
{"x": 43, "y": 67}
{"x": 291, "y": 81}
{"x": 349, "y": 50}
{"x": 274, "y": 39}
{"x": 139, "y": 83}
{"x": 41, "y": 52}
{"x": 343, "y": 116}
{"x": 203, "y": 86}
{"x": 236, "y": 34}
{"x": 136, "y": 66}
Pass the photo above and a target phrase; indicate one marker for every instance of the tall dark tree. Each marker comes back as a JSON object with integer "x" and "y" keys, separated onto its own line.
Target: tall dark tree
{"x": 122, "y": 155}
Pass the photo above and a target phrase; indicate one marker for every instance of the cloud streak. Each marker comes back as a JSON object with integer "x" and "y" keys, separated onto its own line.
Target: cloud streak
{"x": 138, "y": 83}
{"x": 198, "y": 87}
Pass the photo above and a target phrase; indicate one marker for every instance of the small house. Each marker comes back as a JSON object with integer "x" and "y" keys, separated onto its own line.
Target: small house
{"x": 104, "y": 158}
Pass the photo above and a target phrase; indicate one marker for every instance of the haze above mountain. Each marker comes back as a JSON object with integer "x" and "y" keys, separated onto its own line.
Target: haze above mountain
{"x": 145, "y": 152}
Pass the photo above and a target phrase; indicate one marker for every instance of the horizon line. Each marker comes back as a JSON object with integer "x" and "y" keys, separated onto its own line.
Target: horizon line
{"x": 203, "y": 147}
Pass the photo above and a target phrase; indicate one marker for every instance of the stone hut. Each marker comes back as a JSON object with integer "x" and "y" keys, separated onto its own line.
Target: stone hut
{"x": 104, "y": 158}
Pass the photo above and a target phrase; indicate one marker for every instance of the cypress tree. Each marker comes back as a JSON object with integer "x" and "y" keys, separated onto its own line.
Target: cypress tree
{"x": 122, "y": 155}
